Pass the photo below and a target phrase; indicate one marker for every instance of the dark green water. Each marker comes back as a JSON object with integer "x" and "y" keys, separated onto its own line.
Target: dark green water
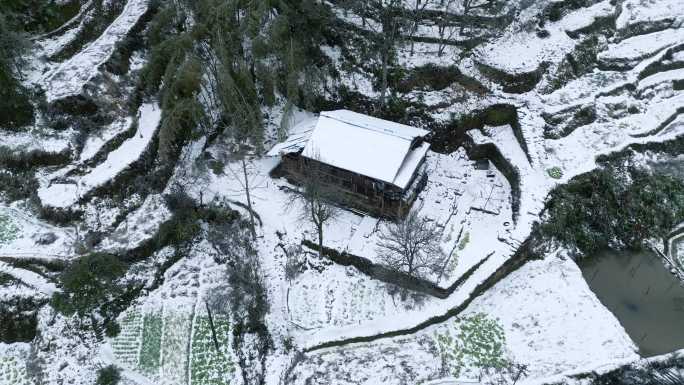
{"x": 646, "y": 299}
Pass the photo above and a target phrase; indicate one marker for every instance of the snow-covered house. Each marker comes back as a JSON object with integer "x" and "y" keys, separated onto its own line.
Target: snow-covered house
{"x": 377, "y": 166}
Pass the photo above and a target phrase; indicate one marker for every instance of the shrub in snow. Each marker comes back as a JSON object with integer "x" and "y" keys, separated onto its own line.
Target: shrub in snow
{"x": 112, "y": 329}
{"x": 555, "y": 172}
{"x": 45, "y": 238}
{"x": 109, "y": 375}
{"x": 295, "y": 263}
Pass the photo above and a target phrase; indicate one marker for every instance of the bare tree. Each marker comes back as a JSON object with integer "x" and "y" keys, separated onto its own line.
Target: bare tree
{"x": 247, "y": 180}
{"x": 316, "y": 199}
{"x": 412, "y": 245}
{"x": 445, "y": 28}
{"x": 229, "y": 89}
{"x": 386, "y": 20}
{"x": 420, "y": 6}
{"x": 469, "y": 6}
{"x": 390, "y": 13}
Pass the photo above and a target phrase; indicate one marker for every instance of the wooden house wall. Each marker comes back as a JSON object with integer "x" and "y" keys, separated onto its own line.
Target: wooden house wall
{"x": 358, "y": 191}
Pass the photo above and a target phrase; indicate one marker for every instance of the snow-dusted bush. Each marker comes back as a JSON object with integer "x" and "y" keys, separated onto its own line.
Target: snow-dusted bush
{"x": 109, "y": 375}
{"x": 555, "y": 172}
{"x": 184, "y": 225}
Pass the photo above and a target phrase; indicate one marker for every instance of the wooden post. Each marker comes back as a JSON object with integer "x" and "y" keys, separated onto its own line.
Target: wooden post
{"x": 211, "y": 325}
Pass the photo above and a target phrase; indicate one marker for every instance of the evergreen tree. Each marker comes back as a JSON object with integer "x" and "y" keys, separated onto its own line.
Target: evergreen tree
{"x": 182, "y": 112}
{"x": 15, "y": 109}
{"x": 88, "y": 283}
{"x": 244, "y": 46}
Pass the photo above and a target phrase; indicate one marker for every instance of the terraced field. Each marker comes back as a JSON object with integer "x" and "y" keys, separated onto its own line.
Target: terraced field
{"x": 8, "y": 228}
{"x": 13, "y": 371}
{"x": 175, "y": 347}
{"x": 208, "y": 366}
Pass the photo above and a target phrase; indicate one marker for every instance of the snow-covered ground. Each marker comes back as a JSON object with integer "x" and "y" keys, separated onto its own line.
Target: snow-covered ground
{"x": 94, "y": 143}
{"x": 523, "y": 51}
{"x": 25, "y": 236}
{"x": 572, "y": 155}
{"x": 340, "y": 304}
{"x": 139, "y": 226}
{"x": 650, "y": 12}
{"x": 628, "y": 52}
{"x": 25, "y": 142}
{"x": 552, "y": 322}
{"x": 29, "y": 278}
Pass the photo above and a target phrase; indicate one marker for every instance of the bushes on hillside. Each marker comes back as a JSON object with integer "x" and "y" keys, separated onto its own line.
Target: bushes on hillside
{"x": 88, "y": 283}
{"x": 613, "y": 207}
{"x": 37, "y": 16}
{"x": 185, "y": 223}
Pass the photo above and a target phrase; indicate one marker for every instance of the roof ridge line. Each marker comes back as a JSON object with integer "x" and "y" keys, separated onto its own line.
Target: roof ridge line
{"x": 371, "y": 128}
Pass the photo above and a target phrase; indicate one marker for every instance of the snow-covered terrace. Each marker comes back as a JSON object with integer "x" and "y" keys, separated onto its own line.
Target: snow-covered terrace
{"x": 58, "y": 193}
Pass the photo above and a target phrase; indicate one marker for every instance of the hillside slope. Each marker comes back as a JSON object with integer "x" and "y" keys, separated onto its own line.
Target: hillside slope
{"x": 149, "y": 121}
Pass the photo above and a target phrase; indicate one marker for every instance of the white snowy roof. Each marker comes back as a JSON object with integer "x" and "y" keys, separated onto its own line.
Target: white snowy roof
{"x": 369, "y": 146}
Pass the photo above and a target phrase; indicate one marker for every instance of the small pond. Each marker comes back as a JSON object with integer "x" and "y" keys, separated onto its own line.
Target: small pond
{"x": 646, "y": 299}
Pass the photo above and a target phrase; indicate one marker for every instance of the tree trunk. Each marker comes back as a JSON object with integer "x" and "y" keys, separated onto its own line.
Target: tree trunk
{"x": 383, "y": 81}
{"x": 363, "y": 14}
{"x": 414, "y": 28}
{"x": 409, "y": 262}
{"x": 440, "y": 45}
{"x": 249, "y": 199}
{"x": 320, "y": 240}
{"x": 466, "y": 10}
